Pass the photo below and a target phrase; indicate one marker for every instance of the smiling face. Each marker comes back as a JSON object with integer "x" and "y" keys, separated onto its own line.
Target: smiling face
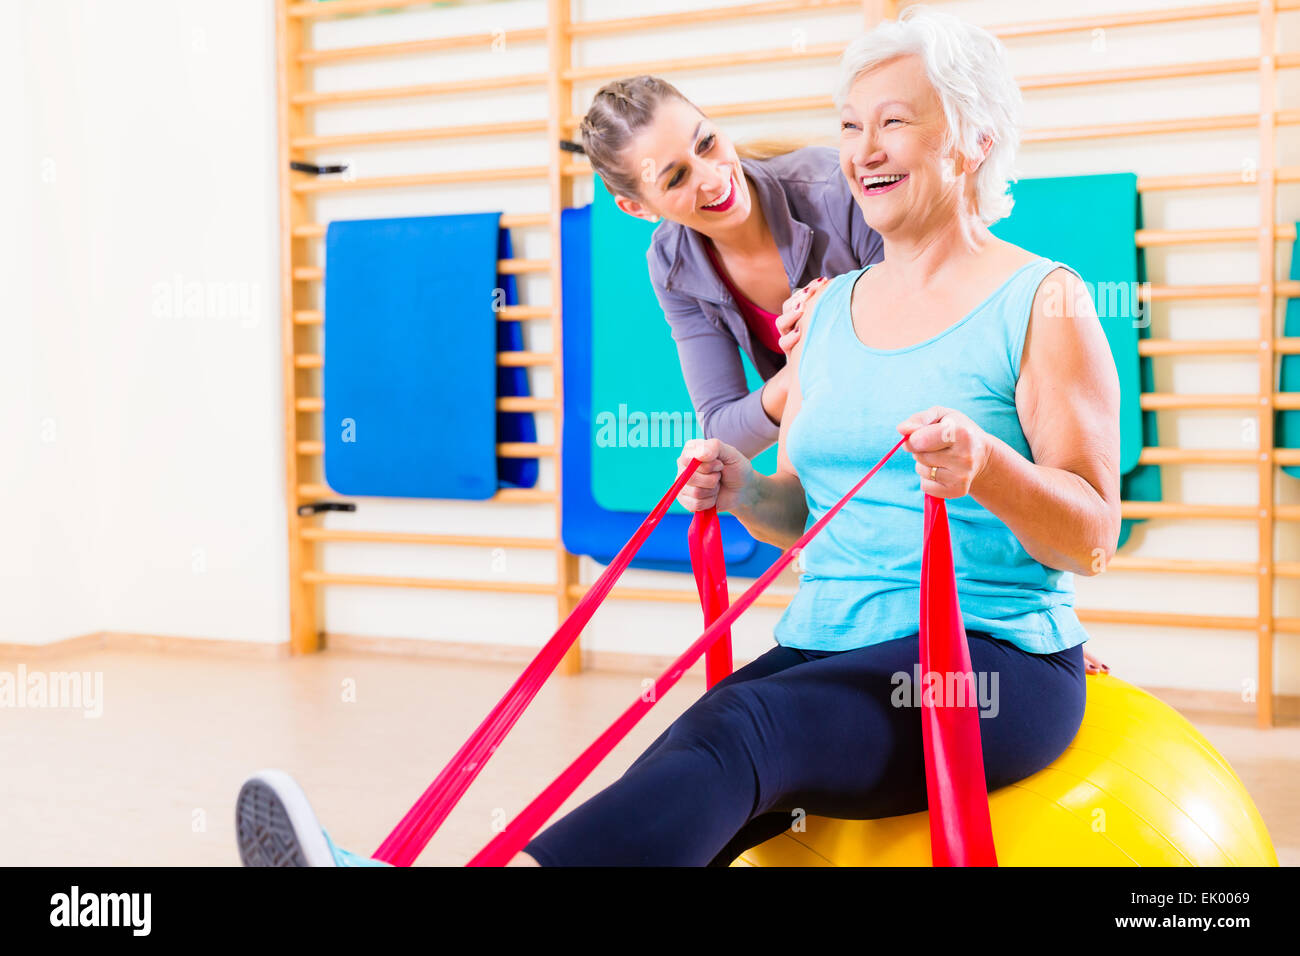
{"x": 688, "y": 170}
{"x": 892, "y": 134}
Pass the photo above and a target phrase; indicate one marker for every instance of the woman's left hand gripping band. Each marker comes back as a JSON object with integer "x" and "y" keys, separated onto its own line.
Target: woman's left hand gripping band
{"x": 951, "y": 451}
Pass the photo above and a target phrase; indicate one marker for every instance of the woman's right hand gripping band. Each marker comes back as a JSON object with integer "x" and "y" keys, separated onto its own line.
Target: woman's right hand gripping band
{"x": 720, "y": 481}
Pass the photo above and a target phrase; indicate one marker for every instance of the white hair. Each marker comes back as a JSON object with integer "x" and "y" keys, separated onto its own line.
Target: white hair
{"x": 968, "y": 68}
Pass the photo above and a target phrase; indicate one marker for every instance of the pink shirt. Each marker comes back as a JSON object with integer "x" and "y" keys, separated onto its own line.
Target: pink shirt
{"x": 761, "y": 322}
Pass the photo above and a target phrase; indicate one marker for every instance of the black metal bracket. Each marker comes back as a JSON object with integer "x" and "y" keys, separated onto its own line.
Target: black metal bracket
{"x": 571, "y": 147}
{"x": 316, "y": 507}
{"x": 316, "y": 170}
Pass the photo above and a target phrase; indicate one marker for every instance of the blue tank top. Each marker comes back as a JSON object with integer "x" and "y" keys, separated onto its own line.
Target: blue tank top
{"x": 861, "y": 576}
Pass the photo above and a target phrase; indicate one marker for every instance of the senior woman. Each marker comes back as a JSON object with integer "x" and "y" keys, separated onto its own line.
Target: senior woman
{"x": 992, "y": 363}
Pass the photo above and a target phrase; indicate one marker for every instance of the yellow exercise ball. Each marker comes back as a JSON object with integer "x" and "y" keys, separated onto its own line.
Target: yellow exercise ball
{"x": 1138, "y": 786}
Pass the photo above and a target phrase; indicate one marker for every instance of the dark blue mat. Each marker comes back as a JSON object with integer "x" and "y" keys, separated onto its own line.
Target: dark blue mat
{"x": 1288, "y": 422}
{"x": 588, "y": 528}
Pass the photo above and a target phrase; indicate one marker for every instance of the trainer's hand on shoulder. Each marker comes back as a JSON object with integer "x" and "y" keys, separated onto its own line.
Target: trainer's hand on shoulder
{"x": 790, "y": 322}
{"x": 721, "y": 478}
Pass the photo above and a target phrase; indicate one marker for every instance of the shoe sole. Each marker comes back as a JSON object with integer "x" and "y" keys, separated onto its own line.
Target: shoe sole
{"x": 275, "y": 825}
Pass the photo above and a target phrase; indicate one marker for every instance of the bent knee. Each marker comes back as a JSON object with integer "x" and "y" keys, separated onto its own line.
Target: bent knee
{"x": 732, "y": 722}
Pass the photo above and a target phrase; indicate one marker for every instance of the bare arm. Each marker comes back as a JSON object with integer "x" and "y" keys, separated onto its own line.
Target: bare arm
{"x": 1064, "y": 506}
{"x": 775, "y": 509}
{"x": 715, "y": 377}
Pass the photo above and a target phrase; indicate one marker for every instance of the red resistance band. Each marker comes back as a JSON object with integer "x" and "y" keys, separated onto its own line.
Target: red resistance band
{"x": 960, "y": 828}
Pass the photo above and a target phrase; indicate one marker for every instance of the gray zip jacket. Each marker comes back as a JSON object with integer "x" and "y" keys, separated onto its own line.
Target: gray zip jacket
{"x": 820, "y": 232}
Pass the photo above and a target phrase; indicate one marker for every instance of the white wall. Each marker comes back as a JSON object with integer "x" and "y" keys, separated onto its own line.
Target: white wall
{"x": 168, "y": 452}
{"x": 150, "y": 465}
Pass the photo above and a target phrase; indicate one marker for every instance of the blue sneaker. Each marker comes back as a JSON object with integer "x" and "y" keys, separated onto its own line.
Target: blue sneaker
{"x": 275, "y": 826}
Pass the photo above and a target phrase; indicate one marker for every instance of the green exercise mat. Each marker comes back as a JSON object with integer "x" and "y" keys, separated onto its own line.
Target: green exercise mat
{"x": 1090, "y": 223}
{"x": 1287, "y": 429}
{"x": 641, "y": 411}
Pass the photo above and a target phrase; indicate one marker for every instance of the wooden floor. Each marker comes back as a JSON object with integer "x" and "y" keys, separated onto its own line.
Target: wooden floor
{"x": 153, "y": 780}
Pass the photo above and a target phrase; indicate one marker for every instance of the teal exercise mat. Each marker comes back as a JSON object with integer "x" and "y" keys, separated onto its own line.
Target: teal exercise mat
{"x": 1287, "y": 428}
{"x": 1091, "y": 223}
{"x": 641, "y": 411}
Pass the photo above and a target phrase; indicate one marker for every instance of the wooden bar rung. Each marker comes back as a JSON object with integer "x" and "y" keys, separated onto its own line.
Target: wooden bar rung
{"x": 1180, "y": 566}
{"x": 309, "y": 360}
{"x": 513, "y": 313}
{"x": 711, "y": 61}
{"x": 525, "y": 359}
{"x": 504, "y": 267}
{"x": 526, "y": 496}
{"x": 678, "y": 595}
{"x": 511, "y": 449}
{"x": 326, "y": 578}
{"x": 525, "y": 403}
{"x": 309, "y": 491}
{"x": 661, "y": 21}
{"x": 419, "y": 179}
{"x": 1162, "y": 71}
{"x": 799, "y": 104}
{"x": 412, "y": 47}
{"x": 1147, "y": 238}
{"x": 1157, "y": 347}
{"x": 316, "y": 533}
{"x": 1197, "y": 456}
{"x": 1170, "y": 401}
{"x": 391, "y": 136}
{"x": 421, "y": 90}
{"x": 316, "y": 230}
{"x": 511, "y": 267}
{"x": 341, "y": 8}
{"x": 524, "y": 449}
{"x": 1106, "y": 21}
{"x": 1218, "y": 456}
{"x": 1241, "y": 290}
{"x": 1146, "y": 184}
{"x": 1173, "y": 509}
{"x": 1158, "y": 619}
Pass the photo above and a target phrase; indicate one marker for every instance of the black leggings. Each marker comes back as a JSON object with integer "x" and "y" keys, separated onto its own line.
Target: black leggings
{"x": 820, "y": 733}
